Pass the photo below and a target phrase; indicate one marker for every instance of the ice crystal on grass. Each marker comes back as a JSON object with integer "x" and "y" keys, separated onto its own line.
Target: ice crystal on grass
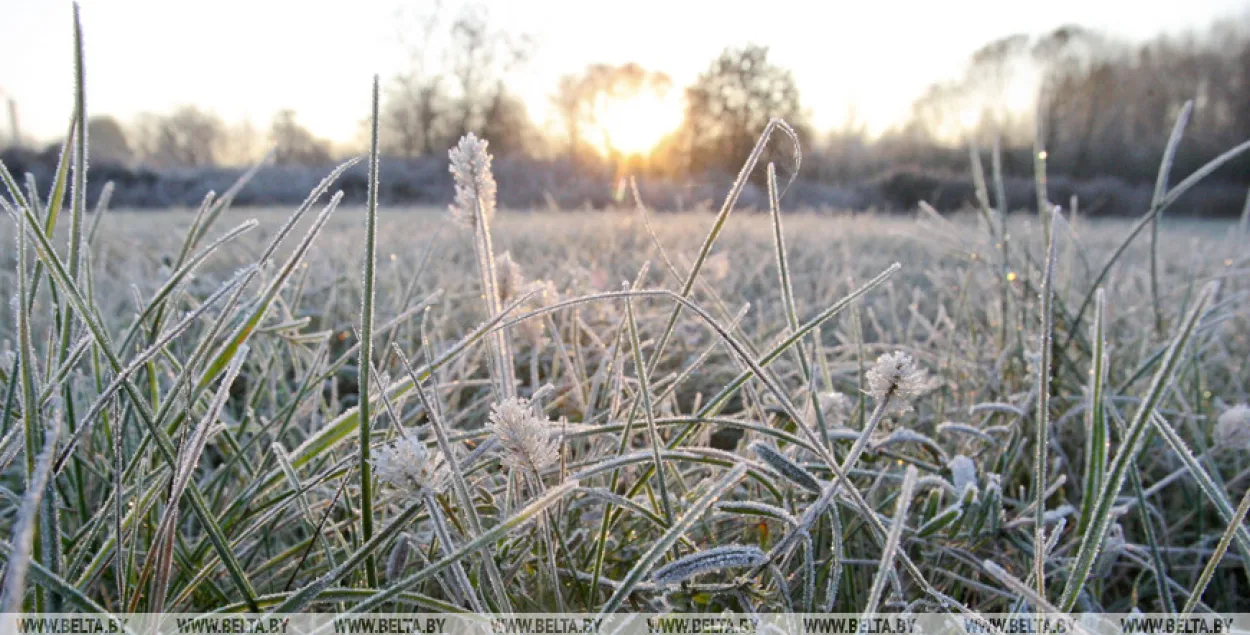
{"x": 1232, "y": 430}
{"x": 524, "y": 435}
{"x": 409, "y": 467}
{"x": 511, "y": 279}
{"x": 963, "y": 472}
{"x": 475, "y": 185}
{"x": 835, "y": 406}
{"x": 896, "y": 374}
{"x": 715, "y": 559}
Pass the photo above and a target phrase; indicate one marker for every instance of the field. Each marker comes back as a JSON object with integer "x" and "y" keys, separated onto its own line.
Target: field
{"x": 354, "y": 410}
{"x": 203, "y": 445}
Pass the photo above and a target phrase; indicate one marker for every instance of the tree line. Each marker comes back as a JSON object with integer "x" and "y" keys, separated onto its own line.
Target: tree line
{"x": 1101, "y": 108}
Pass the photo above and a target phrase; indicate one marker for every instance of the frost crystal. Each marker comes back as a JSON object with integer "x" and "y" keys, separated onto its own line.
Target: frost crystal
{"x": 511, "y": 280}
{"x": 896, "y": 374}
{"x": 1232, "y": 430}
{"x": 409, "y": 467}
{"x": 475, "y": 185}
{"x": 715, "y": 559}
{"x": 398, "y": 560}
{"x": 835, "y": 406}
{"x": 513, "y": 286}
{"x": 963, "y": 472}
{"x": 524, "y": 435}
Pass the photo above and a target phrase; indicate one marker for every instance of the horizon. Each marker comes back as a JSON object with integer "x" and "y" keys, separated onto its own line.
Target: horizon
{"x": 248, "y": 70}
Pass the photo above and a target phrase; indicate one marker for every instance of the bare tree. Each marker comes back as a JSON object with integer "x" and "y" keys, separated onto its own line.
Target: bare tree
{"x": 413, "y": 112}
{"x": 731, "y": 102}
{"x": 242, "y": 144}
{"x": 108, "y": 141}
{"x": 479, "y": 57}
{"x": 188, "y": 137}
{"x": 453, "y": 84}
{"x": 294, "y": 144}
{"x": 577, "y": 97}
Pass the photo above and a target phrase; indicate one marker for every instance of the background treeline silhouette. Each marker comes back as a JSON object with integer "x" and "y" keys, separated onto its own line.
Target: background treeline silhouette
{"x": 1102, "y": 108}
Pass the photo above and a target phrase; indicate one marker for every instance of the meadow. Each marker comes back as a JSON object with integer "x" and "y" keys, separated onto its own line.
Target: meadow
{"x": 473, "y": 410}
{"x": 942, "y": 308}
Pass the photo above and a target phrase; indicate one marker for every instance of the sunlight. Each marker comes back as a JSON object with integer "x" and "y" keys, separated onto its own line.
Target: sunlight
{"x": 635, "y": 125}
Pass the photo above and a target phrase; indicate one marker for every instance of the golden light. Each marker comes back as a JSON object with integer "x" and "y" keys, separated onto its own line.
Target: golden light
{"x": 634, "y": 125}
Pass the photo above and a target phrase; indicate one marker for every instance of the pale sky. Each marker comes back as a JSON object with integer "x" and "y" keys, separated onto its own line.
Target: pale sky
{"x": 250, "y": 58}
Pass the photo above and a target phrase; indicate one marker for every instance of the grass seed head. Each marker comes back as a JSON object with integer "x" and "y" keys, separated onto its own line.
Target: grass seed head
{"x": 524, "y": 435}
{"x": 409, "y": 467}
{"x": 1232, "y": 430}
{"x": 896, "y": 374}
{"x": 835, "y": 406}
{"x": 475, "y": 185}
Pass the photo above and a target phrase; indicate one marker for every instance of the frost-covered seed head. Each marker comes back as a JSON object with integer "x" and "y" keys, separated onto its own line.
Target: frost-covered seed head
{"x": 836, "y": 407}
{"x": 1232, "y": 430}
{"x": 896, "y": 374}
{"x": 513, "y": 285}
{"x": 524, "y": 435}
{"x": 511, "y": 280}
{"x": 475, "y": 185}
{"x": 398, "y": 560}
{"x": 409, "y": 467}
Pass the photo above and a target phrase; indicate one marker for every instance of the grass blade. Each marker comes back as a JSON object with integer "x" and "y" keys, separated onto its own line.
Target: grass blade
{"x": 1092, "y": 540}
{"x": 670, "y": 537}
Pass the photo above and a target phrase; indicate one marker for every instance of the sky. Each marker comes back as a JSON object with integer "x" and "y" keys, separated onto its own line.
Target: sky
{"x": 251, "y": 58}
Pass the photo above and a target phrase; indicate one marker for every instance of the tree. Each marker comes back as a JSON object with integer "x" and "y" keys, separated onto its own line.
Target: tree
{"x": 578, "y": 97}
{"x": 108, "y": 141}
{"x": 293, "y": 144}
{"x": 414, "y": 107}
{"x": 729, "y": 105}
{"x": 413, "y": 115}
{"x": 439, "y": 98}
{"x": 479, "y": 57}
{"x": 188, "y": 138}
{"x": 243, "y": 144}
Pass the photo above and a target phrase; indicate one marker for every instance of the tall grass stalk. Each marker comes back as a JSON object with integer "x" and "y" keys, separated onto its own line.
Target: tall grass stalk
{"x": 25, "y": 528}
{"x": 644, "y": 388}
{"x": 675, "y": 531}
{"x": 366, "y": 341}
{"x": 719, "y": 223}
{"x": 1096, "y": 436}
{"x": 902, "y": 504}
{"x": 1168, "y": 199}
{"x": 1161, "y": 187}
{"x": 475, "y": 207}
{"x": 1041, "y": 440}
{"x": 787, "y": 296}
{"x": 1092, "y": 541}
{"x": 1221, "y": 548}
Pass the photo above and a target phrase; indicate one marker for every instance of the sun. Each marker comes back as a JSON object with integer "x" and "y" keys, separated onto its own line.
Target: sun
{"x": 634, "y": 125}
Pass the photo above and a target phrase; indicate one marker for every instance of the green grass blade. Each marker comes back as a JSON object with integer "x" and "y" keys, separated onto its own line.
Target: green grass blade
{"x": 670, "y": 537}
{"x": 1092, "y": 540}
{"x": 366, "y": 343}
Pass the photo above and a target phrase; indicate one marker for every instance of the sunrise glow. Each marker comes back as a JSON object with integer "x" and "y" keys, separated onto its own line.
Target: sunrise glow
{"x": 635, "y": 125}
